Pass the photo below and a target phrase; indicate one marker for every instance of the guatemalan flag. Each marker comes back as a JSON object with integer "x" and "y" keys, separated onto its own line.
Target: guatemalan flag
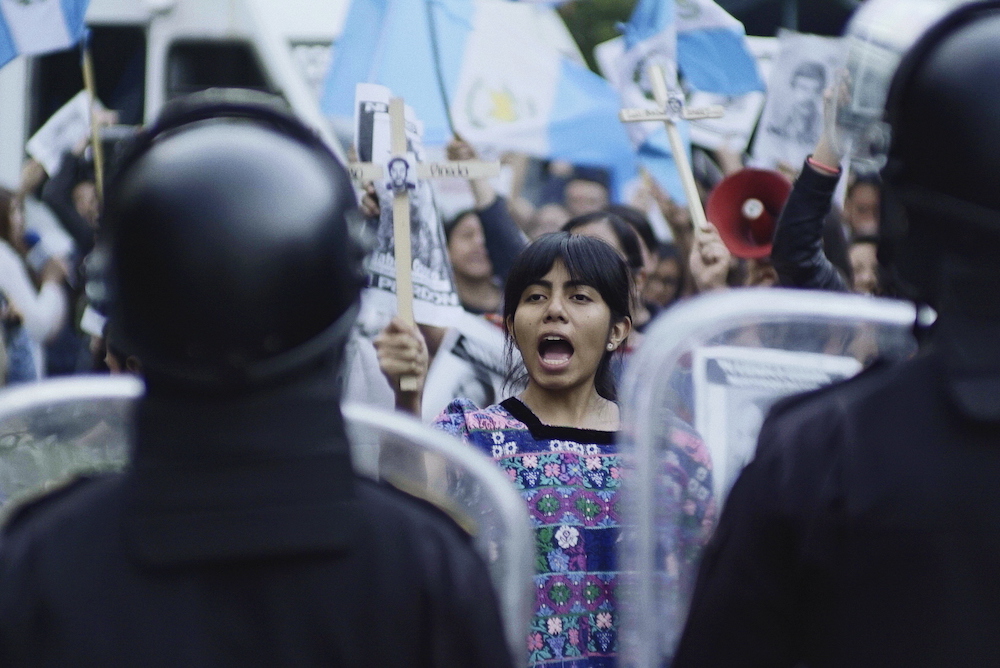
{"x": 32, "y": 27}
{"x": 510, "y": 72}
{"x": 695, "y": 37}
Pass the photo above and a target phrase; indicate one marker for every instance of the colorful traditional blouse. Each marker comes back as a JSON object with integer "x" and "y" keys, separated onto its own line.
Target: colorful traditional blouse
{"x": 570, "y": 478}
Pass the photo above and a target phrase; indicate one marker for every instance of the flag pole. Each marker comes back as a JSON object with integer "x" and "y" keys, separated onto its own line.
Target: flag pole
{"x": 436, "y": 55}
{"x": 95, "y": 139}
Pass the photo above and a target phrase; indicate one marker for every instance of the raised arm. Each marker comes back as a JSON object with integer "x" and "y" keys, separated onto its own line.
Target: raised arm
{"x": 797, "y": 252}
{"x": 504, "y": 239}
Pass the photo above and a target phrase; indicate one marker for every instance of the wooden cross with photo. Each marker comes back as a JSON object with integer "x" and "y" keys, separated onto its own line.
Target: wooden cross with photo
{"x": 403, "y": 170}
{"x": 671, "y": 108}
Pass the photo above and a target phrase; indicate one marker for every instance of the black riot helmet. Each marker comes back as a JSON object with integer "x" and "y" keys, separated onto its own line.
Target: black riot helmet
{"x": 228, "y": 258}
{"x": 941, "y": 196}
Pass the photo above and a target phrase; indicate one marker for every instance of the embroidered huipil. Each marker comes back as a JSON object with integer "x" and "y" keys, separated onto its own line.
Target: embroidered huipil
{"x": 570, "y": 479}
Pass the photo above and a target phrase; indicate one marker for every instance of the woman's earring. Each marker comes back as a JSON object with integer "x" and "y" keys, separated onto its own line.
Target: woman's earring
{"x": 611, "y": 347}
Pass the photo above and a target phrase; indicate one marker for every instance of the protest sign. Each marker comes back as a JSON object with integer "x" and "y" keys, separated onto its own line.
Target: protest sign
{"x": 64, "y": 130}
{"x": 435, "y": 298}
{"x": 792, "y": 120}
{"x": 735, "y": 386}
{"x": 469, "y": 363}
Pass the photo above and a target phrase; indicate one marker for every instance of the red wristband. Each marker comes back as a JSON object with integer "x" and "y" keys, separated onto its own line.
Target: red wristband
{"x": 832, "y": 171}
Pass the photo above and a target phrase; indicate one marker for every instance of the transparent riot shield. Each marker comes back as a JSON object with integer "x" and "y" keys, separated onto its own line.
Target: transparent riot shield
{"x": 58, "y": 428}
{"x": 53, "y": 430}
{"x": 430, "y": 464}
{"x": 711, "y": 367}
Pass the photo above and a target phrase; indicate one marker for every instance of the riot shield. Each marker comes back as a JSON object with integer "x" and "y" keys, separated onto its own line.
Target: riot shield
{"x": 58, "y": 428}
{"x": 430, "y": 464}
{"x": 699, "y": 388}
{"x": 53, "y": 430}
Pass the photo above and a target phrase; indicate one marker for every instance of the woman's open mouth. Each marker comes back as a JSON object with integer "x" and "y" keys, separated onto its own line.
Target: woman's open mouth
{"x": 554, "y": 352}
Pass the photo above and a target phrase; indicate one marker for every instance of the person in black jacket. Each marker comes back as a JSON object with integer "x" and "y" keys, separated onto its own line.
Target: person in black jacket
{"x": 866, "y": 531}
{"x": 238, "y": 535}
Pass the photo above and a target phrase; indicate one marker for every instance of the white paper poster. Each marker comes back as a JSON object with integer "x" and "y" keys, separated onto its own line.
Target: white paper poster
{"x": 734, "y": 387}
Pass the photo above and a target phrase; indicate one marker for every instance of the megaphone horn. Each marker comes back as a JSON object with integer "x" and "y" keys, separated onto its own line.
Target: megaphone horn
{"x": 744, "y": 207}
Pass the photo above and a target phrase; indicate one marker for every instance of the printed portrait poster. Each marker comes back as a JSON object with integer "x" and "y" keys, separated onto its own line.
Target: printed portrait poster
{"x": 470, "y": 363}
{"x": 792, "y": 120}
{"x": 734, "y": 388}
{"x": 435, "y": 300}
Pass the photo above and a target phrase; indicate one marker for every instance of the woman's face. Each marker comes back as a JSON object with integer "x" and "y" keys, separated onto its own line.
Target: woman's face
{"x": 864, "y": 266}
{"x": 662, "y": 283}
{"x": 467, "y": 249}
{"x": 562, "y": 329}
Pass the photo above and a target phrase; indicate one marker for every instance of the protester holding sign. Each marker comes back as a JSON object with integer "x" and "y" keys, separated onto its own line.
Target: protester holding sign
{"x": 799, "y": 254}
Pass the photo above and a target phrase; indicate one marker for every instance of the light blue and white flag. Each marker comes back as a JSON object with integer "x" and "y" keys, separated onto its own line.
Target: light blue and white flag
{"x": 34, "y": 27}
{"x": 706, "y": 43}
{"x": 712, "y": 50}
{"x": 507, "y": 69}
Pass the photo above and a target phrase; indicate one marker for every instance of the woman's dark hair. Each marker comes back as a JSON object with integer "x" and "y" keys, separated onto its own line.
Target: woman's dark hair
{"x": 873, "y": 180}
{"x": 453, "y": 222}
{"x": 6, "y": 198}
{"x": 667, "y": 250}
{"x": 590, "y": 261}
{"x": 639, "y": 222}
{"x": 627, "y": 237}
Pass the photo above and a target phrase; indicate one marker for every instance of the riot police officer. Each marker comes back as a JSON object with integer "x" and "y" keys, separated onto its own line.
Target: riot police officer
{"x": 238, "y": 534}
{"x": 866, "y": 532}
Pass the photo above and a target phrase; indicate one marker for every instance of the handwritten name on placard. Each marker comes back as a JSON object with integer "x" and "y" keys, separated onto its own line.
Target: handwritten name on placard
{"x": 638, "y": 115}
{"x": 714, "y": 111}
{"x": 453, "y": 171}
{"x": 467, "y": 169}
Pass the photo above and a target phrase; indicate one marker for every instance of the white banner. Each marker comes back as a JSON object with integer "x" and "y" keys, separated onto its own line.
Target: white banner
{"x": 61, "y": 133}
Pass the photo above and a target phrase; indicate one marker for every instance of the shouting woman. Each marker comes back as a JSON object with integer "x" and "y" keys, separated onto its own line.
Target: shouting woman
{"x": 566, "y": 311}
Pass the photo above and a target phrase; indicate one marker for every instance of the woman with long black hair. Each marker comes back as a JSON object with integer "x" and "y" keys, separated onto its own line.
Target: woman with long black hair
{"x": 566, "y": 315}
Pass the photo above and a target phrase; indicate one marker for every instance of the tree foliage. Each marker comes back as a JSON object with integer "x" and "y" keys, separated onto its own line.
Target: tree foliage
{"x": 594, "y": 21}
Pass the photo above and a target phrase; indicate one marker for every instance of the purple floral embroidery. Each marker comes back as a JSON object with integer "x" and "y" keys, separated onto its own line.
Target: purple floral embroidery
{"x": 571, "y": 491}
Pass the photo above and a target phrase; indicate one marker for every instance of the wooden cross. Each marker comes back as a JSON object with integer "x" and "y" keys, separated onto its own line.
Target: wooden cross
{"x": 364, "y": 172}
{"x": 672, "y": 108}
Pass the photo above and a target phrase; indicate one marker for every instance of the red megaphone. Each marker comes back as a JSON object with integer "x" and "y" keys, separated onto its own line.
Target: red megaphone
{"x": 744, "y": 207}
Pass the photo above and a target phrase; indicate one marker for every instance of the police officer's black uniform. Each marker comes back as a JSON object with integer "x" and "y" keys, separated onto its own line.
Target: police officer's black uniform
{"x": 866, "y": 532}
{"x": 238, "y": 536}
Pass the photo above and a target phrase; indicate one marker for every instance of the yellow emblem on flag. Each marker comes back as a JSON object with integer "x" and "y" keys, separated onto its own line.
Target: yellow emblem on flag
{"x": 503, "y": 106}
{"x": 490, "y": 105}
